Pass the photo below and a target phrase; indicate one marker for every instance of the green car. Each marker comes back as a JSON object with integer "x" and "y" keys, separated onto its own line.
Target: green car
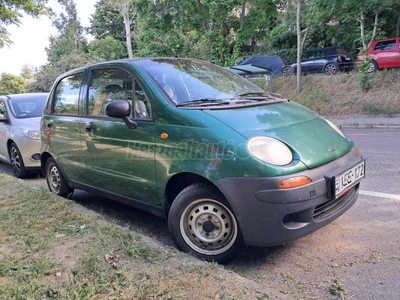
{"x": 227, "y": 164}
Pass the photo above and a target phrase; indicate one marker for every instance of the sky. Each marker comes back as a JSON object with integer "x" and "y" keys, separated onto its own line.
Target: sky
{"x": 32, "y": 37}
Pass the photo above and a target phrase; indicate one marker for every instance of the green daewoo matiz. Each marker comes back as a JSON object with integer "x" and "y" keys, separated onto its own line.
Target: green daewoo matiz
{"x": 226, "y": 163}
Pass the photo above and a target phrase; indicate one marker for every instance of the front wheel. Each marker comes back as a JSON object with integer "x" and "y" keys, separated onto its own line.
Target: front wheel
{"x": 17, "y": 163}
{"x": 331, "y": 69}
{"x": 201, "y": 222}
{"x": 55, "y": 180}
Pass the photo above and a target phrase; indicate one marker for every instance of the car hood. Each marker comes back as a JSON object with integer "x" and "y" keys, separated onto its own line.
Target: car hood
{"x": 311, "y": 138}
{"x": 27, "y": 123}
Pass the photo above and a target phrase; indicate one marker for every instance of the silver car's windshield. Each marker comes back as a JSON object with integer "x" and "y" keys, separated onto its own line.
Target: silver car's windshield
{"x": 197, "y": 82}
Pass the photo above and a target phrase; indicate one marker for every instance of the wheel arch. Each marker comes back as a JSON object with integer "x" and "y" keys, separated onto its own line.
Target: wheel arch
{"x": 43, "y": 158}
{"x": 180, "y": 181}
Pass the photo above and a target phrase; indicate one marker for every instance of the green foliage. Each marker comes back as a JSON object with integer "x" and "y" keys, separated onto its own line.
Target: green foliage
{"x": 48, "y": 73}
{"x": 107, "y": 49}
{"x": 11, "y": 84}
{"x": 363, "y": 77}
{"x": 70, "y": 33}
{"x": 10, "y": 13}
{"x": 107, "y": 22}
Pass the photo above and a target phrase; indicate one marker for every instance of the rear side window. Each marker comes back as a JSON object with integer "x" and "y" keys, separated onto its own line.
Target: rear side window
{"x": 67, "y": 95}
{"x": 385, "y": 45}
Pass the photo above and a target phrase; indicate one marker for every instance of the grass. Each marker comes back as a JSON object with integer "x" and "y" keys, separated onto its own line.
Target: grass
{"x": 342, "y": 94}
{"x": 49, "y": 250}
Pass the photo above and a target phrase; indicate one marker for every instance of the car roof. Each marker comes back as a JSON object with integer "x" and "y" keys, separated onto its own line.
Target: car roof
{"x": 329, "y": 50}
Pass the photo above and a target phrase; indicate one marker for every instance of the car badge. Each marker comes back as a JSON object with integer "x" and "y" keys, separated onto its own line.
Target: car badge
{"x": 332, "y": 149}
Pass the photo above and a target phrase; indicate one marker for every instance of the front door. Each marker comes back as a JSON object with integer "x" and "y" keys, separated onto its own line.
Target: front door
{"x": 118, "y": 159}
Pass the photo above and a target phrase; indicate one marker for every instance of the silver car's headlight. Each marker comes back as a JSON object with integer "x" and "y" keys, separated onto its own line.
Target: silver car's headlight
{"x": 270, "y": 150}
{"x": 32, "y": 134}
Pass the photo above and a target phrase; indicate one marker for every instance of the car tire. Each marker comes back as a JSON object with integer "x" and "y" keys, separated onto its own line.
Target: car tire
{"x": 287, "y": 71}
{"x": 55, "y": 180}
{"x": 201, "y": 222}
{"x": 17, "y": 162}
{"x": 372, "y": 66}
{"x": 330, "y": 69}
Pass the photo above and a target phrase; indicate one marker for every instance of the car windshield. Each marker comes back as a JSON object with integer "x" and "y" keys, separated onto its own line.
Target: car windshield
{"x": 191, "y": 82}
{"x": 28, "y": 107}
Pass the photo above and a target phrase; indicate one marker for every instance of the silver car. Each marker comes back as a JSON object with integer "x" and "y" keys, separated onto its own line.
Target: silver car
{"x": 19, "y": 131}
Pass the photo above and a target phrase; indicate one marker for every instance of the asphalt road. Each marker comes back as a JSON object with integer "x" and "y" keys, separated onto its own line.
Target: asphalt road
{"x": 355, "y": 257}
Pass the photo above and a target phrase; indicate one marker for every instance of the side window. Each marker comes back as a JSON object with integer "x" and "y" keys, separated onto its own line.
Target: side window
{"x": 141, "y": 103}
{"x": 3, "y": 111}
{"x": 386, "y": 45}
{"x": 67, "y": 95}
{"x": 108, "y": 85}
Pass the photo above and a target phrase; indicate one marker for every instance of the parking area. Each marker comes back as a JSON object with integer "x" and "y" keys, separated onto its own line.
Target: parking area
{"x": 355, "y": 257}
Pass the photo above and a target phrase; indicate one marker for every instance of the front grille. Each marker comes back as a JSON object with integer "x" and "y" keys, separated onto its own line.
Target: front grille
{"x": 331, "y": 207}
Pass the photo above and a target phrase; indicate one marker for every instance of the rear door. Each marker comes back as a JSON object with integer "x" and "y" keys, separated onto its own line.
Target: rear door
{"x": 61, "y": 125}
{"x": 118, "y": 159}
{"x": 386, "y": 53}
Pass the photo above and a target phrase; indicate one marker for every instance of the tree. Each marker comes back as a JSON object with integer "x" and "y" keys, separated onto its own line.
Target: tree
{"x": 107, "y": 21}
{"x": 70, "y": 33}
{"x": 10, "y": 13}
{"x": 47, "y": 74}
{"x": 125, "y": 8}
{"x": 107, "y": 49}
{"x": 11, "y": 84}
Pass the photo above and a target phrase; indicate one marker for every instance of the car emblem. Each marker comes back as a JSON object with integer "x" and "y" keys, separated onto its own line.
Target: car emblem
{"x": 332, "y": 149}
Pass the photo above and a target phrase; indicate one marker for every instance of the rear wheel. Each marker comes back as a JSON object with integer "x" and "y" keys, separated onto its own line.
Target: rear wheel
{"x": 17, "y": 163}
{"x": 55, "y": 180}
{"x": 287, "y": 71}
{"x": 201, "y": 222}
{"x": 331, "y": 69}
{"x": 372, "y": 67}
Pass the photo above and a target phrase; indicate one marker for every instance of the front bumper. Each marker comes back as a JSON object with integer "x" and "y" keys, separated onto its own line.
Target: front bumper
{"x": 269, "y": 216}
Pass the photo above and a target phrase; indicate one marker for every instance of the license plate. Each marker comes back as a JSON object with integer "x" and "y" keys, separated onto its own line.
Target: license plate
{"x": 349, "y": 178}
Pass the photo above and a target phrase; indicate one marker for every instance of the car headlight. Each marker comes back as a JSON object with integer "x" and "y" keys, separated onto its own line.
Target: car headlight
{"x": 270, "y": 150}
{"x": 32, "y": 134}
{"x": 335, "y": 128}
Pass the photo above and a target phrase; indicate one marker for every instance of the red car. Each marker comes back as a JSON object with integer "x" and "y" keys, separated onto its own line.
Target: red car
{"x": 383, "y": 54}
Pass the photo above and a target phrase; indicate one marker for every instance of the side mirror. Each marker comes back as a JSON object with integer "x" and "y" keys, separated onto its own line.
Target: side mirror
{"x": 121, "y": 109}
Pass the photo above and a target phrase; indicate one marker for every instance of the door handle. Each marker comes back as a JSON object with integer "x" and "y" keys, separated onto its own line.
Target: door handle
{"x": 89, "y": 127}
{"x": 49, "y": 124}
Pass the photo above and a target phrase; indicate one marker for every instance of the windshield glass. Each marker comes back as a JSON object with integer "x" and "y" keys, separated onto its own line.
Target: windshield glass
{"x": 183, "y": 80}
{"x": 28, "y": 106}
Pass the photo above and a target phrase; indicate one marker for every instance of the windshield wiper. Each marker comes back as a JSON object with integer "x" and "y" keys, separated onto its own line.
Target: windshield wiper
{"x": 253, "y": 97}
{"x": 203, "y": 102}
{"x": 263, "y": 94}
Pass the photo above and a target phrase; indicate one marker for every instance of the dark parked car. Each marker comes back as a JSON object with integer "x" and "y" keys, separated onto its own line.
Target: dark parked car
{"x": 329, "y": 60}
{"x": 225, "y": 162}
{"x": 19, "y": 131}
{"x": 382, "y": 54}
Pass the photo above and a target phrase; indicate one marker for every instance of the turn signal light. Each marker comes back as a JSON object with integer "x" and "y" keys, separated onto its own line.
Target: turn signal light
{"x": 294, "y": 182}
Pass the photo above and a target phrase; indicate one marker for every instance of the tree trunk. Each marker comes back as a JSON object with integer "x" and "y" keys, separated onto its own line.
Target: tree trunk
{"x": 127, "y": 23}
{"x": 298, "y": 27}
{"x": 242, "y": 14}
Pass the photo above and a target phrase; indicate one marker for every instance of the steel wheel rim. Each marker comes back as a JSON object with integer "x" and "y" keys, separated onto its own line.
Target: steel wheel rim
{"x": 330, "y": 69}
{"x": 208, "y": 227}
{"x": 53, "y": 178}
{"x": 15, "y": 160}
